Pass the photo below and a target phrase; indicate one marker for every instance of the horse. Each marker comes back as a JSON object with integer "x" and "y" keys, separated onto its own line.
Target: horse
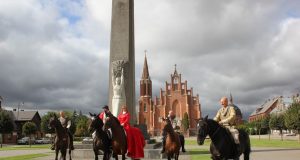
{"x": 172, "y": 146}
{"x": 223, "y": 146}
{"x": 101, "y": 141}
{"x": 62, "y": 140}
{"x": 119, "y": 142}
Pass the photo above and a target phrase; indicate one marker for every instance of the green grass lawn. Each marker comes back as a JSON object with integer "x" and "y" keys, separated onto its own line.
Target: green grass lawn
{"x": 275, "y": 143}
{"x": 199, "y": 154}
{"x": 259, "y": 143}
{"x": 24, "y": 157}
{"x": 204, "y": 154}
{"x": 194, "y": 142}
{"x": 25, "y": 147}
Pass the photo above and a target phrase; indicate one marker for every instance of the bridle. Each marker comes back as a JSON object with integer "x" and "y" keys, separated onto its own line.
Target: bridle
{"x": 207, "y": 130}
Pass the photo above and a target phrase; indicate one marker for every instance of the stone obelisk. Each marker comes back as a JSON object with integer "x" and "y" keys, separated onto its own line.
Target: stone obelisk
{"x": 122, "y": 56}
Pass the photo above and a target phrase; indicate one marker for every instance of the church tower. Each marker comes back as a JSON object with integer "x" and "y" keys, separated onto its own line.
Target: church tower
{"x": 145, "y": 101}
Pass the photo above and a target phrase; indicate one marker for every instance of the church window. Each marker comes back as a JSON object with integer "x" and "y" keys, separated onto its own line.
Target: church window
{"x": 175, "y": 80}
{"x": 145, "y": 107}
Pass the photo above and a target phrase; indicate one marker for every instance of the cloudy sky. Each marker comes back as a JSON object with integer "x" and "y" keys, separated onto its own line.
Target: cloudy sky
{"x": 54, "y": 54}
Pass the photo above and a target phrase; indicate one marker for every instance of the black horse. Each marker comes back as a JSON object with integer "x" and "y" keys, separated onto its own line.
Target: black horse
{"x": 62, "y": 140}
{"x": 119, "y": 142}
{"x": 223, "y": 146}
{"x": 101, "y": 140}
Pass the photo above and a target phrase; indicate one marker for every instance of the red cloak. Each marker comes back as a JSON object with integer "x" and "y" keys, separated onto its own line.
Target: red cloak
{"x": 135, "y": 138}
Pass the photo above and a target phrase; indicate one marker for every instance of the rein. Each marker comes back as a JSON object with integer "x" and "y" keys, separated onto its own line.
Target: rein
{"x": 215, "y": 132}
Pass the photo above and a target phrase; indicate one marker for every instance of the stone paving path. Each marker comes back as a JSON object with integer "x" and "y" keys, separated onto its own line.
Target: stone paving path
{"x": 10, "y": 153}
{"x": 257, "y": 153}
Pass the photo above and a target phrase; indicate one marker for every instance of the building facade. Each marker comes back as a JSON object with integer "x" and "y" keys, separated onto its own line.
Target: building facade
{"x": 276, "y": 105}
{"x": 175, "y": 96}
{"x": 19, "y": 119}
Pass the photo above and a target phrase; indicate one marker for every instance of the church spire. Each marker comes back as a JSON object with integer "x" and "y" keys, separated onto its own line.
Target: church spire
{"x": 145, "y": 74}
{"x": 175, "y": 72}
{"x": 231, "y": 99}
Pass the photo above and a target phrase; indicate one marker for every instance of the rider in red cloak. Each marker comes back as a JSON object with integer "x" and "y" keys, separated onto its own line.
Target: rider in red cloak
{"x": 135, "y": 138}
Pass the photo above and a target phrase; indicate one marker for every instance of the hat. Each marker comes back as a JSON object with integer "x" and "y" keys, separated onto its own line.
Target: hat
{"x": 105, "y": 107}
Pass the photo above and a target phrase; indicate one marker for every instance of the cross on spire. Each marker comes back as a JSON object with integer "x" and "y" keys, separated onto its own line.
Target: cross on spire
{"x": 175, "y": 72}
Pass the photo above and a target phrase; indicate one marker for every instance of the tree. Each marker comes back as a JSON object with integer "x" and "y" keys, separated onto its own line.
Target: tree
{"x": 277, "y": 122}
{"x": 265, "y": 124}
{"x": 82, "y": 127}
{"x": 292, "y": 118}
{"x": 45, "y": 122}
{"x": 6, "y": 123}
{"x": 185, "y": 122}
{"x": 258, "y": 126}
{"x": 28, "y": 129}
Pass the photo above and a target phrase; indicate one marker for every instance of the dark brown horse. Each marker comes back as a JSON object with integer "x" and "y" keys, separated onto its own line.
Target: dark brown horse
{"x": 172, "y": 146}
{"x": 223, "y": 146}
{"x": 101, "y": 141}
{"x": 119, "y": 143}
{"x": 62, "y": 140}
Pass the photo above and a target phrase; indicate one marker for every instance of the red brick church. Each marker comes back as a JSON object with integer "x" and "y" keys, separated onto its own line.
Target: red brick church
{"x": 175, "y": 96}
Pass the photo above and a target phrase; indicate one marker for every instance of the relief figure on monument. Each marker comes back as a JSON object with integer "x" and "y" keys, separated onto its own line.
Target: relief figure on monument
{"x": 118, "y": 85}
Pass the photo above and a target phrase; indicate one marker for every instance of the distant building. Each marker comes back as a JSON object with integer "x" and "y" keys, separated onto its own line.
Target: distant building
{"x": 20, "y": 118}
{"x": 176, "y": 97}
{"x": 276, "y": 105}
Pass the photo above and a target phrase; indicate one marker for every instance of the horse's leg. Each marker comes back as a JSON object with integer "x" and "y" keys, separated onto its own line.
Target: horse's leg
{"x": 64, "y": 153}
{"x": 123, "y": 156}
{"x": 176, "y": 156}
{"x": 56, "y": 154}
{"x": 96, "y": 153}
{"x": 70, "y": 156}
{"x": 115, "y": 156}
{"x": 169, "y": 157}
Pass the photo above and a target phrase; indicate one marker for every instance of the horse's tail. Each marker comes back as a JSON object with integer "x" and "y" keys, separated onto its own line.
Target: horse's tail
{"x": 247, "y": 147}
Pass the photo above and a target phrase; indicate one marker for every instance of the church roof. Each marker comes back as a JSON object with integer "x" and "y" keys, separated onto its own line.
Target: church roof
{"x": 24, "y": 115}
{"x": 145, "y": 74}
{"x": 264, "y": 107}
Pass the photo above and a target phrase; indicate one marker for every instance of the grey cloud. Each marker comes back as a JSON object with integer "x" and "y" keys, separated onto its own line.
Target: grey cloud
{"x": 248, "y": 48}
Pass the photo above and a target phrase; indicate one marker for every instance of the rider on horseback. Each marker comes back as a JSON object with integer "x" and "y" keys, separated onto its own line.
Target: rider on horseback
{"x": 176, "y": 128}
{"x": 66, "y": 123}
{"x": 226, "y": 116}
{"x": 103, "y": 116}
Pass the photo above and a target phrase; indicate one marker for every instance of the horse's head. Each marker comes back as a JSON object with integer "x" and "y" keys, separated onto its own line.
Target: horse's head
{"x": 96, "y": 123}
{"x": 167, "y": 125}
{"x": 202, "y": 128}
{"x": 53, "y": 122}
{"x": 111, "y": 121}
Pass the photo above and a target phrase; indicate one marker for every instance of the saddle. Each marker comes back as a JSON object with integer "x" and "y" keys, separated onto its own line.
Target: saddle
{"x": 236, "y": 146}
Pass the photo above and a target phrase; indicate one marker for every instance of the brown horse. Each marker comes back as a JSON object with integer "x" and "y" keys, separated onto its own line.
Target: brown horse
{"x": 172, "y": 146}
{"x": 101, "y": 140}
{"x": 119, "y": 143}
{"x": 62, "y": 140}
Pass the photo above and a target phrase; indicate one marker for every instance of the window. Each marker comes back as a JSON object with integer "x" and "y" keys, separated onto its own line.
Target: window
{"x": 145, "y": 107}
{"x": 145, "y": 120}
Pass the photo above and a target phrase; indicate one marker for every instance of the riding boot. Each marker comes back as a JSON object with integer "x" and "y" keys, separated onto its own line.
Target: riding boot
{"x": 71, "y": 140}
{"x": 238, "y": 148}
{"x": 181, "y": 137}
{"x": 52, "y": 144}
{"x": 163, "y": 143}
